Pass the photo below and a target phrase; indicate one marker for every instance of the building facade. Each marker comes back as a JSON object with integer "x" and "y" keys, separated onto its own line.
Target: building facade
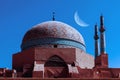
{"x": 54, "y": 49}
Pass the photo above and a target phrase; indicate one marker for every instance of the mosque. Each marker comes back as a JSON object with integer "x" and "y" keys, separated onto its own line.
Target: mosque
{"x": 54, "y": 49}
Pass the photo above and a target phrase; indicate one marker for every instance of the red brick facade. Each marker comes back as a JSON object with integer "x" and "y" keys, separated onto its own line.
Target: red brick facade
{"x": 25, "y": 61}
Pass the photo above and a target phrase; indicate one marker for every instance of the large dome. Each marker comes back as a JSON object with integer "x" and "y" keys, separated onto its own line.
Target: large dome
{"x": 53, "y": 33}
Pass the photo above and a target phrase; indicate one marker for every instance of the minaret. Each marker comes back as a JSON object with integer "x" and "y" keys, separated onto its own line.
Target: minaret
{"x": 102, "y": 36}
{"x": 101, "y": 61}
{"x": 96, "y": 41}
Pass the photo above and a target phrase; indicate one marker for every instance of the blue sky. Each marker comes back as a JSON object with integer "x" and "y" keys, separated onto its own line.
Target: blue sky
{"x": 18, "y": 16}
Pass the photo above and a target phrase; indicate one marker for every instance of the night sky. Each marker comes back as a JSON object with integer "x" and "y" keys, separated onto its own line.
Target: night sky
{"x": 18, "y": 16}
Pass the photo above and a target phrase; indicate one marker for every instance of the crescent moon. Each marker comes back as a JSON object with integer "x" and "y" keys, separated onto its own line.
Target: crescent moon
{"x": 79, "y": 21}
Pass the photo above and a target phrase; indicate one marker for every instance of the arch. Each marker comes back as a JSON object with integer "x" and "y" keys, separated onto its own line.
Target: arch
{"x": 55, "y": 61}
{"x": 56, "y": 67}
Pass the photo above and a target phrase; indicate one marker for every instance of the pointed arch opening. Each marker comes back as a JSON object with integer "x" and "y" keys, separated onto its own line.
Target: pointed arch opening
{"x": 55, "y": 61}
{"x": 56, "y": 67}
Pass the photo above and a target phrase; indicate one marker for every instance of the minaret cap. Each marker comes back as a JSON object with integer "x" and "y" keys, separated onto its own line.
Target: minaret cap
{"x": 102, "y": 29}
{"x": 101, "y": 20}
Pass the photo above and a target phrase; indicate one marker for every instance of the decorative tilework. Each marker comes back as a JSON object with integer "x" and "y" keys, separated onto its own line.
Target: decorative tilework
{"x": 54, "y": 29}
{"x": 53, "y": 32}
{"x": 52, "y": 41}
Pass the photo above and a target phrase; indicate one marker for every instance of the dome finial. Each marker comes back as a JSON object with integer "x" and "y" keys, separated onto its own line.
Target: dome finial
{"x": 53, "y": 16}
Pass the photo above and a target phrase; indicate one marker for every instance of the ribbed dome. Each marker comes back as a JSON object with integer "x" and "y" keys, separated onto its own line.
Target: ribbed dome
{"x": 53, "y": 32}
